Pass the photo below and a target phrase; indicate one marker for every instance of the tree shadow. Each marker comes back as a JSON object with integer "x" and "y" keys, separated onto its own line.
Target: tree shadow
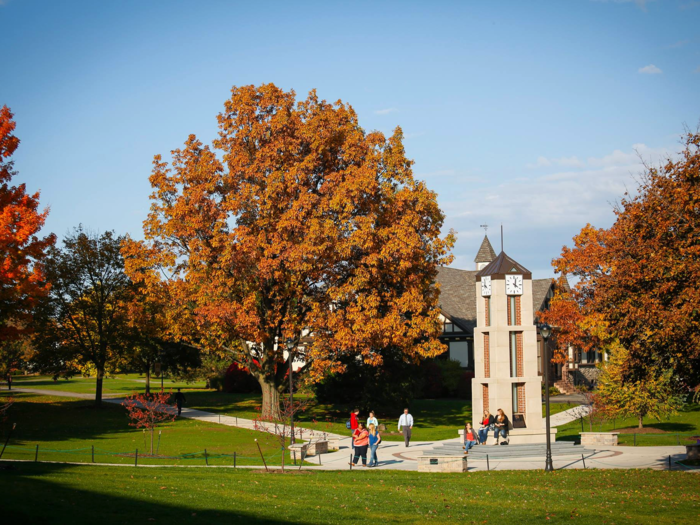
{"x": 55, "y": 503}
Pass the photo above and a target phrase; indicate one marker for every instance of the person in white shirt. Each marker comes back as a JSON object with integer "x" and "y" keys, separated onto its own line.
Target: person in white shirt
{"x": 371, "y": 420}
{"x": 406, "y": 422}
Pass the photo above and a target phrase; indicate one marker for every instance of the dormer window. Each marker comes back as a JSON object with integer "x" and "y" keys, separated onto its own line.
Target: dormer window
{"x": 448, "y": 327}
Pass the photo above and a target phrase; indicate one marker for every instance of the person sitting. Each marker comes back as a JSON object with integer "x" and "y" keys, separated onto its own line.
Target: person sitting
{"x": 471, "y": 438}
{"x": 502, "y": 425}
{"x": 487, "y": 423}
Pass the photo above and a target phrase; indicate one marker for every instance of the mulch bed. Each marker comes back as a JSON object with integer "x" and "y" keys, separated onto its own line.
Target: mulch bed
{"x": 645, "y": 430}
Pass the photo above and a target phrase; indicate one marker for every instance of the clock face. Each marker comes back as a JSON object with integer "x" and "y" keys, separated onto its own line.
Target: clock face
{"x": 486, "y": 286}
{"x": 514, "y": 284}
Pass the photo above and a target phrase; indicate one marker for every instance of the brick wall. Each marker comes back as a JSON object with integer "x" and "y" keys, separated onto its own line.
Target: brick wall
{"x": 487, "y": 357}
{"x": 485, "y": 393}
{"x": 487, "y": 306}
{"x": 518, "y": 317}
{"x": 521, "y": 398}
{"x": 508, "y": 310}
{"x": 519, "y": 354}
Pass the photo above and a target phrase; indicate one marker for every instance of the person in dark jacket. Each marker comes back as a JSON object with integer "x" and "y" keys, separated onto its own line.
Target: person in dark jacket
{"x": 488, "y": 422}
{"x": 502, "y": 425}
{"x": 179, "y": 400}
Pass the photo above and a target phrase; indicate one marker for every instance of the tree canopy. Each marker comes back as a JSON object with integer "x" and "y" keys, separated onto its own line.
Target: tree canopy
{"x": 298, "y": 225}
{"x": 637, "y": 280}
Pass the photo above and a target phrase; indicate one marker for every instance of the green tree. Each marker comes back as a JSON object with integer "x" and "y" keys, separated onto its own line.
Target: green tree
{"x": 82, "y": 326}
{"x": 656, "y": 394}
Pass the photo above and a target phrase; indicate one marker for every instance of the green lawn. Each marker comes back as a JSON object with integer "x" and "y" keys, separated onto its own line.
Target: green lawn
{"x": 676, "y": 428}
{"x": 74, "y": 426}
{"x": 44, "y": 493}
{"x": 120, "y": 384}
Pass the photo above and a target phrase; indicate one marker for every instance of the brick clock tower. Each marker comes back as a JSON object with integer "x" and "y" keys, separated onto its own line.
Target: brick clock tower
{"x": 505, "y": 351}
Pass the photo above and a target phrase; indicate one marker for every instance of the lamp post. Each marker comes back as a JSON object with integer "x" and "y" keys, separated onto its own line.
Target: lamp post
{"x": 290, "y": 348}
{"x": 545, "y": 332}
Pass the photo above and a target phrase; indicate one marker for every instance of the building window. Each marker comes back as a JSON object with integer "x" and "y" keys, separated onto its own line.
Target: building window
{"x": 513, "y": 354}
{"x": 513, "y": 310}
{"x": 514, "y": 397}
{"x": 540, "y": 347}
{"x": 448, "y": 327}
{"x": 518, "y": 397}
{"x": 459, "y": 350}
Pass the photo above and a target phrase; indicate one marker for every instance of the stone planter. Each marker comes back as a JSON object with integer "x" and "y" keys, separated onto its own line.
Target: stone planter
{"x": 298, "y": 451}
{"x": 317, "y": 447}
{"x": 333, "y": 443}
{"x": 606, "y": 439}
{"x": 442, "y": 463}
{"x": 692, "y": 451}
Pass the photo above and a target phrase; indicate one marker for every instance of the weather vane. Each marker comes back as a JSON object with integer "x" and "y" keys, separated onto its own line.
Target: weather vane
{"x": 485, "y": 227}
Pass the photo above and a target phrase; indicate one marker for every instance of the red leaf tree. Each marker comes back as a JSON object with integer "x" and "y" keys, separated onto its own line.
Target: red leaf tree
{"x": 149, "y": 410}
{"x": 21, "y": 250}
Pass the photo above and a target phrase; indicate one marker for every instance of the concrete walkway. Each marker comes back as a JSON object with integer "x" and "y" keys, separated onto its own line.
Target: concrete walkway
{"x": 394, "y": 455}
{"x": 567, "y": 416}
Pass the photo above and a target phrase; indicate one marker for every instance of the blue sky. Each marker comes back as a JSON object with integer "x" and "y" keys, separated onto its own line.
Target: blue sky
{"x": 530, "y": 114}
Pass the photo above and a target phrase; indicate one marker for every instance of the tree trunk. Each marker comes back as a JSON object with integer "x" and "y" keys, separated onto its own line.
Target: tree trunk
{"x": 152, "y": 440}
{"x": 148, "y": 378}
{"x": 98, "y": 386}
{"x": 270, "y": 401}
{"x": 640, "y": 421}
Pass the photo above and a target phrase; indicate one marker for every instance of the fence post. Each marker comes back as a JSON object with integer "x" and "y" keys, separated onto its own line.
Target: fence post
{"x": 488, "y": 467}
{"x": 206, "y": 458}
{"x": 581, "y": 422}
{"x": 234, "y": 459}
{"x": 679, "y": 439}
{"x": 93, "y": 453}
{"x": 350, "y": 461}
{"x": 36, "y": 454}
{"x": 669, "y": 463}
{"x": 584, "y": 461}
{"x": 635, "y": 440}
{"x": 136, "y": 458}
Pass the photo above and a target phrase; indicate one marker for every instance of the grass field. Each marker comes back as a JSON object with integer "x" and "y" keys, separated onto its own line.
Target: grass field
{"x": 74, "y": 426}
{"x": 43, "y": 493}
{"x": 122, "y": 384}
{"x": 680, "y": 427}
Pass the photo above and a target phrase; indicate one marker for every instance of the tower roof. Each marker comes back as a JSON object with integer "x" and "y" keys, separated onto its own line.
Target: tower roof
{"x": 486, "y": 252}
{"x": 503, "y": 265}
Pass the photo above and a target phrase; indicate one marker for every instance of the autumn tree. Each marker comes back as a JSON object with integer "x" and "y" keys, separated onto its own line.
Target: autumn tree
{"x": 147, "y": 411}
{"x": 637, "y": 280}
{"x": 83, "y": 321}
{"x": 21, "y": 250}
{"x": 298, "y": 223}
{"x": 656, "y": 394}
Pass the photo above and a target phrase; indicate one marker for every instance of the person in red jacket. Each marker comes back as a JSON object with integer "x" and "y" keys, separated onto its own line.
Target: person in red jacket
{"x": 354, "y": 423}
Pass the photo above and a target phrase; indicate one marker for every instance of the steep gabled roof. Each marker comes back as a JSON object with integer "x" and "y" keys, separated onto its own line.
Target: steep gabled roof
{"x": 486, "y": 252}
{"x": 503, "y": 265}
{"x": 457, "y": 297}
{"x": 540, "y": 289}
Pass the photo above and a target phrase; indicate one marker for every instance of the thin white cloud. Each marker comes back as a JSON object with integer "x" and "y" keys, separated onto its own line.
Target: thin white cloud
{"x": 385, "y": 111}
{"x": 572, "y": 162}
{"x": 679, "y": 44}
{"x": 651, "y": 69}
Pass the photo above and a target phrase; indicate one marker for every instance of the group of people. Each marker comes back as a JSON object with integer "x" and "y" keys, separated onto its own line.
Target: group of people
{"x": 366, "y": 437}
{"x": 497, "y": 424}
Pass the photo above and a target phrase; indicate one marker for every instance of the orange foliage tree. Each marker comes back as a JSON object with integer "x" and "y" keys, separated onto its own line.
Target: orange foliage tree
{"x": 21, "y": 250}
{"x": 638, "y": 280}
{"x": 305, "y": 225}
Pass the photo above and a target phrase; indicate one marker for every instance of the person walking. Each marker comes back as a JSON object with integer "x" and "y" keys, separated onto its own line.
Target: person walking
{"x": 502, "y": 425}
{"x": 361, "y": 439}
{"x": 371, "y": 420}
{"x": 488, "y": 422}
{"x": 374, "y": 439}
{"x": 471, "y": 438}
{"x": 179, "y": 400}
{"x": 406, "y": 423}
{"x": 354, "y": 423}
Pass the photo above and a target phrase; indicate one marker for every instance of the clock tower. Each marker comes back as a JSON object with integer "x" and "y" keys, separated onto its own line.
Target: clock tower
{"x": 505, "y": 351}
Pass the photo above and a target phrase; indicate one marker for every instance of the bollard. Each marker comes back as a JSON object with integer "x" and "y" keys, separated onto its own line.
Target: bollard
{"x": 669, "y": 463}
{"x": 206, "y": 459}
{"x": 136, "y": 458}
{"x": 319, "y": 458}
{"x": 36, "y": 454}
{"x": 234, "y": 460}
{"x": 350, "y": 461}
{"x": 584, "y": 461}
{"x": 488, "y": 467}
{"x": 93, "y": 453}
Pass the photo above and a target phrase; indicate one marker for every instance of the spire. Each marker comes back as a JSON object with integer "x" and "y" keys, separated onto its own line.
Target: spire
{"x": 485, "y": 255}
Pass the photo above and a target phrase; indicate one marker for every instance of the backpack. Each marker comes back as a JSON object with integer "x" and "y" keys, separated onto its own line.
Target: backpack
{"x": 348, "y": 425}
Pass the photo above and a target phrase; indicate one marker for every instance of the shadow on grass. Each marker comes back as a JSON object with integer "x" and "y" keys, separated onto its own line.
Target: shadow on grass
{"x": 27, "y": 498}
